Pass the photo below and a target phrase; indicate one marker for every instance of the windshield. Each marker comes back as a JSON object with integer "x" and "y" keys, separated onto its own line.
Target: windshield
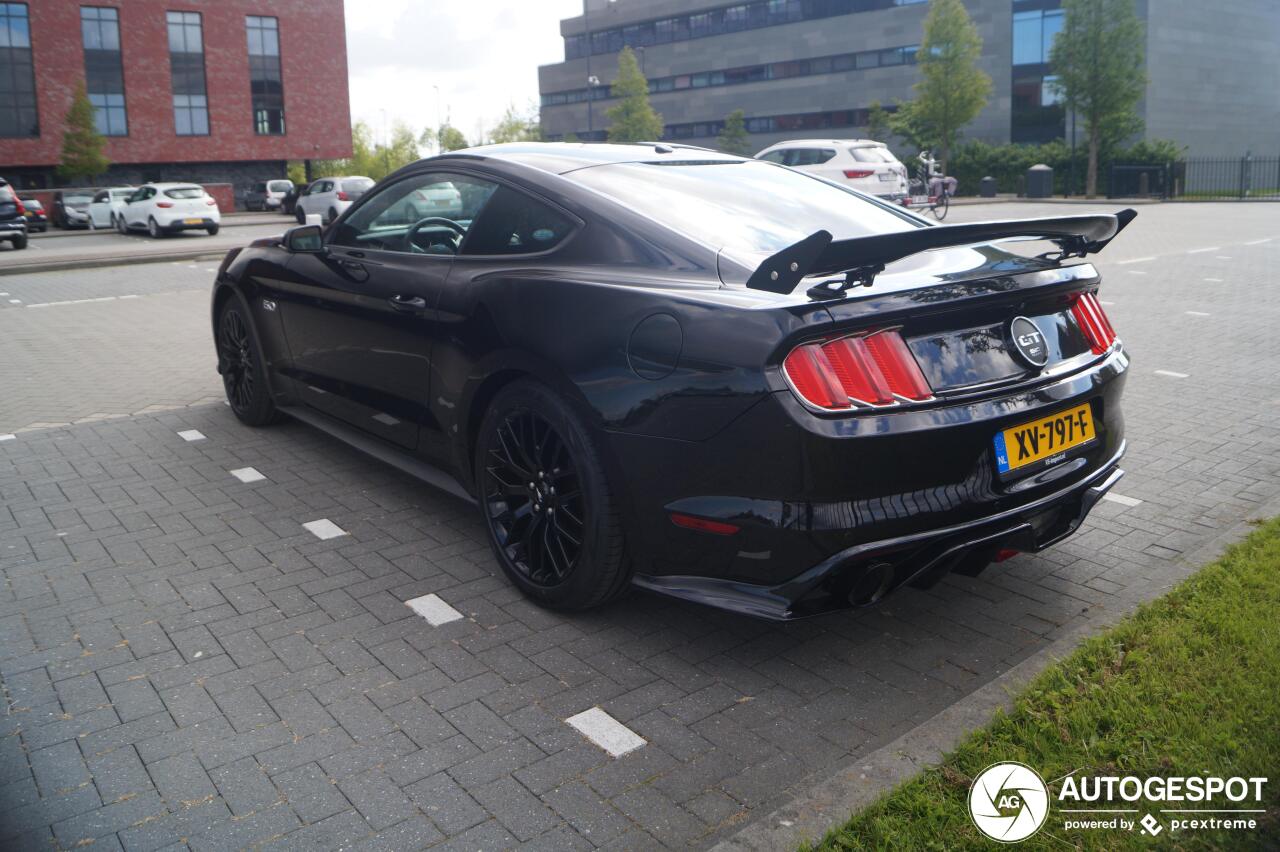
{"x": 185, "y": 192}
{"x": 279, "y": 186}
{"x": 76, "y": 199}
{"x": 747, "y": 207}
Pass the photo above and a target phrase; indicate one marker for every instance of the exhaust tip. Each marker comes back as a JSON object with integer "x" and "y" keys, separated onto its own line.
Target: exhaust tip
{"x": 872, "y": 585}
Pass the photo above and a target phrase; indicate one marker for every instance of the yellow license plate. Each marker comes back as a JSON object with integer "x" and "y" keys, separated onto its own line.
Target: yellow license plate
{"x": 1044, "y": 438}
{"x": 192, "y": 221}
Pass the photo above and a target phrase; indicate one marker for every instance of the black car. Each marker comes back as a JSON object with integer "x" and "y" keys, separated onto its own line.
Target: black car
{"x": 37, "y": 221}
{"x": 13, "y": 219}
{"x": 708, "y": 376}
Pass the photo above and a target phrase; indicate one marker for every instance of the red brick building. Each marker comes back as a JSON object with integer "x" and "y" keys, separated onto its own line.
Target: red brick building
{"x": 212, "y": 91}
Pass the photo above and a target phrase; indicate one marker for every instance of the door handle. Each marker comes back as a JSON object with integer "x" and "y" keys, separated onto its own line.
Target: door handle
{"x": 351, "y": 264}
{"x": 408, "y": 303}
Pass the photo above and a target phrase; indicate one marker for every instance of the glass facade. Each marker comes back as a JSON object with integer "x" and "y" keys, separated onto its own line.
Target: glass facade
{"x": 1037, "y": 113}
{"x": 265, "y": 82}
{"x": 104, "y": 69}
{"x": 186, "y": 66}
{"x": 753, "y": 73}
{"x": 18, "y": 117}
{"x": 835, "y": 119}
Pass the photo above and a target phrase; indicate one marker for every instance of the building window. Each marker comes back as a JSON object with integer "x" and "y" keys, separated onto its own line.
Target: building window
{"x": 103, "y": 69}
{"x": 186, "y": 66}
{"x": 17, "y": 77}
{"x": 1033, "y": 35}
{"x": 265, "y": 82}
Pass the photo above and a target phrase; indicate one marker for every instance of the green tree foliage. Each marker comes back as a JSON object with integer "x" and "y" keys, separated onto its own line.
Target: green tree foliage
{"x": 909, "y": 124}
{"x": 83, "y": 154}
{"x": 878, "y": 123}
{"x": 370, "y": 157}
{"x": 952, "y": 89}
{"x": 633, "y": 119}
{"x": 734, "y": 139}
{"x": 1097, "y": 58}
{"x": 297, "y": 172}
{"x": 451, "y": 138}
{"x": 516, "y": 126}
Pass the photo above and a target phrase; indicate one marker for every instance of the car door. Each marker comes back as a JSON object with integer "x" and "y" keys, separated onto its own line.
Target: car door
{"x": 136, "y": 211}
{"x": 100, "y": 209}
{"x": 316, "y": 197}
{"x": 359, "y": 316}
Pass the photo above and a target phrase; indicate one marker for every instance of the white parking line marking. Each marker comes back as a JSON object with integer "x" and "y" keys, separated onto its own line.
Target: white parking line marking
{"x": 15, "y": 301}
{"x": 1222, "y": 257}
{"x": 324, "y": 529}
{"x": 191, "y": 435}
{"x": 606, "y": 732}
{"x": 1136, "y": 260}
{"x": 1197, "y": 314}
{"x": 1121, "y": 499}
{"x": 1107, "y": 304}
{"x": 131, "y": 296}
{"x": 1259, "y": 242}
{"x": 72, "y": 302}
{"x": 1203, "y": 250}
{"x": 7, "y": 437}
{"x": 1136, "y": 272}
{"x": 1171, "y": 374}
{"x": 434, "y": 610}
{"x": 1214, "y": 280}
{"x": 248, "y": 474}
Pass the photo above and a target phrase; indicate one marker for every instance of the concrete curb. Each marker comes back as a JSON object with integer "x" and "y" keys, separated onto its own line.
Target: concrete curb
{"x": 831, "y": 801}
{"x": 111, "y": 260}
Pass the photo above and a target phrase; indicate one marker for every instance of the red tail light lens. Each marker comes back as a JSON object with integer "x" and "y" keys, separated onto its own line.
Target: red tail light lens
{"x": 858, "y": 173}
{"x": 873, "y": 369}
{"x": 22, "y": 210}
{"x": 342, "y": 196}
{"x": 1093, "y": 322}
{"x": 706, "y": 525}
{"x": 165, "y": 204}
{"x": 210, "y": 202}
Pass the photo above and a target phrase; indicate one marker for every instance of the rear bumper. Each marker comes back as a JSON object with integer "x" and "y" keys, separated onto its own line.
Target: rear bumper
{"x": 863, "y": 574}
{"x": 182, "y": 223}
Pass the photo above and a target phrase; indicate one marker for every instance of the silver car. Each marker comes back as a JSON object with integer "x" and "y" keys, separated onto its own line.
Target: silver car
{"x": 267, "y": 194}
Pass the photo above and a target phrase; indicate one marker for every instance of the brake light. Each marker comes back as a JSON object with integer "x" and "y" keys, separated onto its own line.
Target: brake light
{"x": 858, "y": 173}
{"x": 872, "y": 369}
{"x": 165, "y": 204}
{"x": 22, "y": 210}
{"x": 210, "y": 202}
{"x": 1093, "y": 322}
{"x": 690, "y": 522}
{"x": 342, "y": 196}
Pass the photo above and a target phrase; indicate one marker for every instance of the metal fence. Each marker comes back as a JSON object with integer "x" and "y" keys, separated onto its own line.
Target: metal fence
{"x": 1237, "y": 178}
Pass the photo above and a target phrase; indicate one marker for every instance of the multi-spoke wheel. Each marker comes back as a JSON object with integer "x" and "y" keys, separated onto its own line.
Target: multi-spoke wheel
{"x": 546, "y": 502}
{"x": 240, "y": 363}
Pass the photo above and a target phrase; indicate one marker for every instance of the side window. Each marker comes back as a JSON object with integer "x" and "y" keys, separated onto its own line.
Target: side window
{"x": 810, "y": 156}
{"x": 423, "y": 214}
{"x": 514, "y": 223}
{"x": 775, "y": 157}
{"x": 100, "y": 197}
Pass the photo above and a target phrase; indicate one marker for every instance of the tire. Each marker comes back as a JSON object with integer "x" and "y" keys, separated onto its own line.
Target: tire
{"x": 212, "y": 230}
{"x": 92, "y": 225}
{"x": 121, "y": 226}
{"x": 575, "y": 560}
{"x": 153, "y": 228}
{"x": 943, "y": 205}
{"x": 333, "y": 214}
{"x": 19, "y": 243}
{"x": 240, "y": 361}
{"x": 300, "y": 215}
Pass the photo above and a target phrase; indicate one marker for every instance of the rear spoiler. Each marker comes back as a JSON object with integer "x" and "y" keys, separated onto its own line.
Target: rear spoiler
{"x": 862, "y": 258}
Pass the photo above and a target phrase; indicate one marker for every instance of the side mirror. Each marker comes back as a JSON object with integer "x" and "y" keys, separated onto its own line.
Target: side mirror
{"x": 304, "y": 238}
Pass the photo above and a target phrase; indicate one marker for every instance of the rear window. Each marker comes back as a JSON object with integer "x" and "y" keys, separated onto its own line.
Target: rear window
{"x": 6, "y": 194}
{"x": 30, "y": 202}
{"x": 357, "y": 185}
{"x": 741, "y": 206}
{"x": 871, "y": 154}
{"x": 280, "y": 186}
{"x": 185, "y": 192}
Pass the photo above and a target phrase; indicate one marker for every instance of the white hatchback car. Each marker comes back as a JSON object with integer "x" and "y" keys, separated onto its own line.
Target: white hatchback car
{"x": 107, "y": 204}
{"x": 166, "y": 208}
{"x": 862, "y": 164}
{"x": 330, "y": 197}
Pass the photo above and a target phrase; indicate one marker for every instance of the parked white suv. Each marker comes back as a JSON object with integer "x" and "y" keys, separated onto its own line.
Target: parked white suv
{"x": 862, "y": 164}
{"x": 166, "y": 208}
{"x": 330, "y": 197}
{"x": 107, "y": 204}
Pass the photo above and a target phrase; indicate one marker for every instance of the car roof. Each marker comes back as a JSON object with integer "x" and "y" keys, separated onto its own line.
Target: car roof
{"x": 809, "y": 143}
{"x": 562, "y": 157}
{"x": 174, "y": 184}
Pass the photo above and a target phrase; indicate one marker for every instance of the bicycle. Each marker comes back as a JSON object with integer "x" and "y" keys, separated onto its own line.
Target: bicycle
{"x": 930, "y": 190}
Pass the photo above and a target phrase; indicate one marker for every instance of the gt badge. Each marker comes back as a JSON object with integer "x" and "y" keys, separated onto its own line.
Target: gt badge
{"x": 268, "y": 305}
{"x": 1028, "y": 341}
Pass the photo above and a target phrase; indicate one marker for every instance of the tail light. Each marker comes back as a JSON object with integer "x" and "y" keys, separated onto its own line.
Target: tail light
{"x": 1093, "y": 322}
{"x": 210, "y": 202}
{"x": 165, "y": 204}
{"x": 22, "y": 210}
{"x": 870, "y": 369}
{"x": 858, "y": 173}
{"x": 342, "y": 196}
{"x": 690, "y": 522}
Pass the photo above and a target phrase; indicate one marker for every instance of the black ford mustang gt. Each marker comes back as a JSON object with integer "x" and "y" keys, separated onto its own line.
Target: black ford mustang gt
{"x": 712, "y": 377}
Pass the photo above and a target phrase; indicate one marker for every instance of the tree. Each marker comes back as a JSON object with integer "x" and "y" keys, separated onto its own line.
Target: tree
{"x": 633, "y": 119}
{"x": 515, "y": 126}
{"x": 451, "y": 139}
{"x": 82, "y": 145}
{"x": 952, "y": 89}
{"x": 1097, "y": 58}
{"x": 878, "y": 122}
{"x": 733, "y": 139}
{"x": 915, "y": 129}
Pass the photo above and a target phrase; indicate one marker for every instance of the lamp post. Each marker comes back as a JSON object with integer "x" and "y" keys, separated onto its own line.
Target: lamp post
{"x": 592, "y": 80}
{"x": 438, "y": 125}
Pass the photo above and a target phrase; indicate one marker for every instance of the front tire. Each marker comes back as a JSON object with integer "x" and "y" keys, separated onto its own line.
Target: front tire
{"x": 545, "y": 500}
{"x": 121, "y": 226}
{"x": 242, "y": 367}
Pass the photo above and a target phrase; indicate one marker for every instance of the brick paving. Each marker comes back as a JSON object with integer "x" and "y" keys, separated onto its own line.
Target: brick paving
{"x": 186, "y": 666}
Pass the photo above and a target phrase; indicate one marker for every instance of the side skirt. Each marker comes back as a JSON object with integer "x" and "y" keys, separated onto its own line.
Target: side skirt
{"x": 381, "y": 451}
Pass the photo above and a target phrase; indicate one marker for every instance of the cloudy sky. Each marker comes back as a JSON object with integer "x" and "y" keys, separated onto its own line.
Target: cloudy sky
{"x": 483, "y": 54}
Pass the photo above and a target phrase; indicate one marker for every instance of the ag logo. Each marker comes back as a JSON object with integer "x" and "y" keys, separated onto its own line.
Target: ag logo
{"x": 1029, "y": 342}
{"x": 1008, "y": 802}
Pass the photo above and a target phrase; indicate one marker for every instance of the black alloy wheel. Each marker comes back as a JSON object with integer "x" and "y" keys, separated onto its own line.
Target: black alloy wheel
{"x": 240, "y": 363}
{"x": 545, "y": 501}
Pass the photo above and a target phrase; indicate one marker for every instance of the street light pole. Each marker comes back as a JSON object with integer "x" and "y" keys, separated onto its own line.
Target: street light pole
{"x": 586, "y": 40}
{"x": 438, "y": 125}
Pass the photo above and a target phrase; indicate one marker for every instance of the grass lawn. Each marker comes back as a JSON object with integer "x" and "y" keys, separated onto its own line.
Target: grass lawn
{"x": 1188, "y": 685}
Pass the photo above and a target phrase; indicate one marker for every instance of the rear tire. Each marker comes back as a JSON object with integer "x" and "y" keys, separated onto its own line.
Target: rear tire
{"x": 300, "y": 215}
{"x": 943, "y": 205}
{"x": 241, "y": 363}
{"x": 213, "y": 230}
{"x": 563, "y": 550}
{"x": 333, "y": 214}
{"x": 153, "y": 228}
{"x": 19, "y": 243}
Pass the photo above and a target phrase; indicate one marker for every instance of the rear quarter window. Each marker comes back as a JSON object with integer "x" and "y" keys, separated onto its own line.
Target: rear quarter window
{"x": 514, "y": 223}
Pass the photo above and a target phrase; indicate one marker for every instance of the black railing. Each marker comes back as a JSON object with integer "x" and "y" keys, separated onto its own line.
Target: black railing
{"x": 1235, "y": 178}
